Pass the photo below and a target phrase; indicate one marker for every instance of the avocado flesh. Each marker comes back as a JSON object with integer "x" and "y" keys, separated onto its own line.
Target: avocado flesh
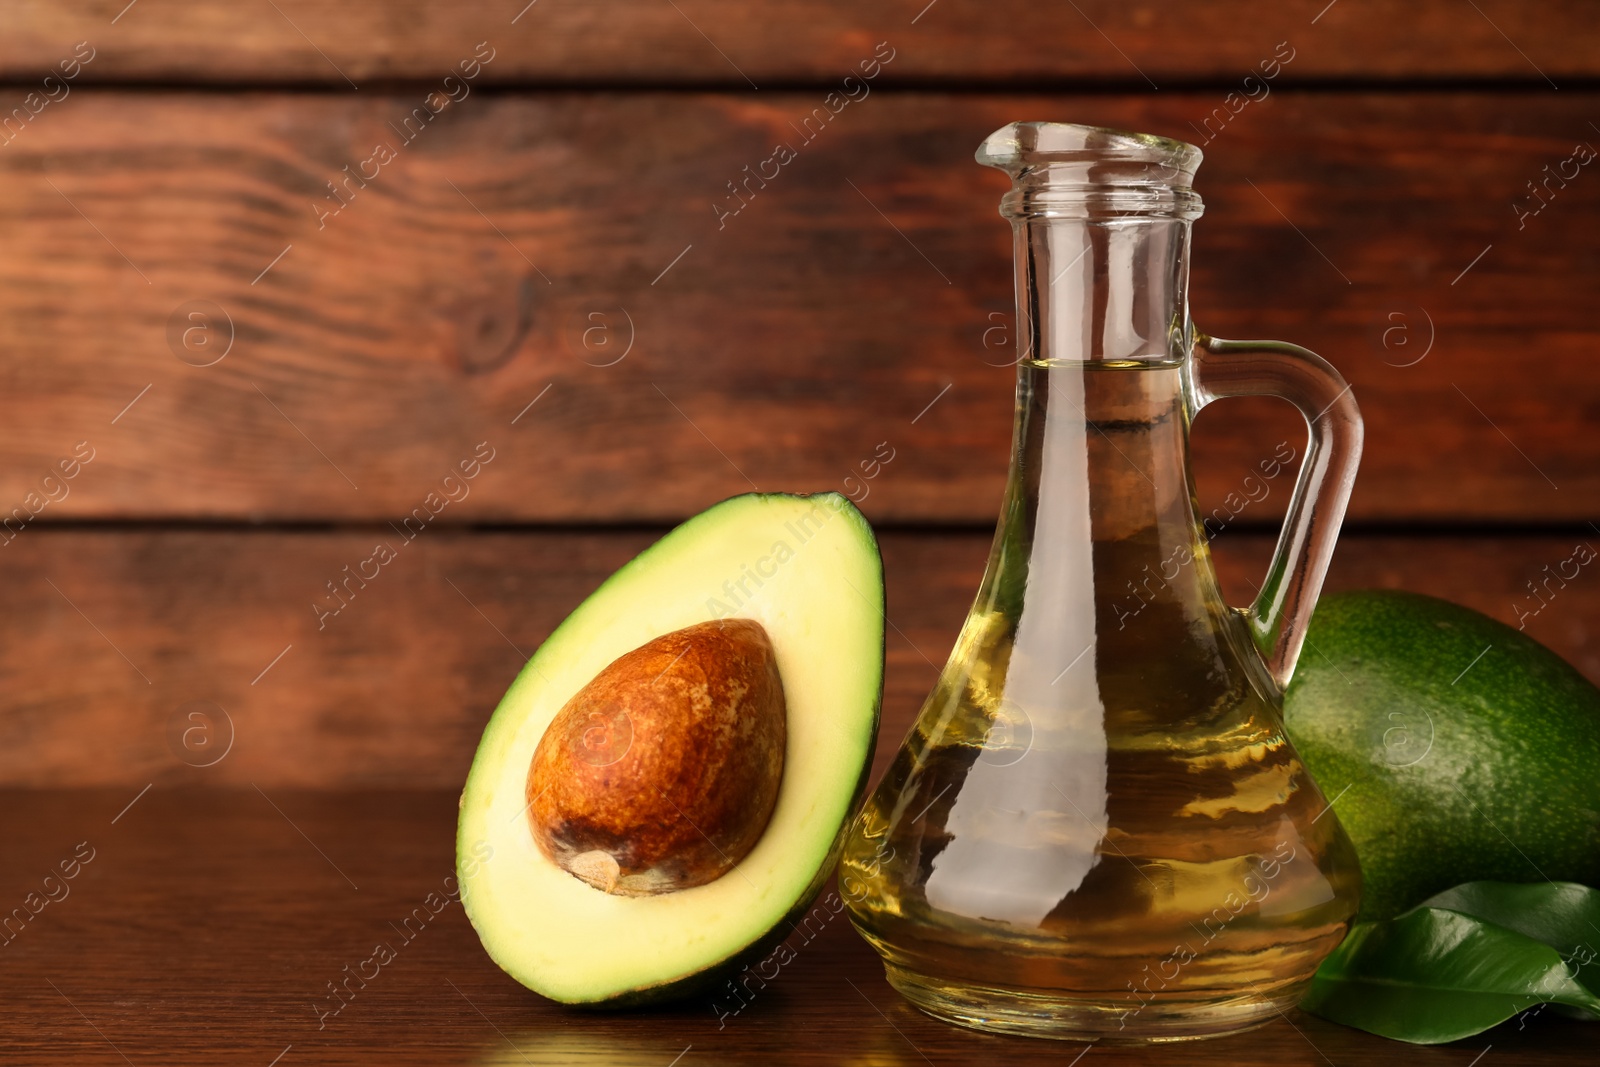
{"x": 1469, "y": 750}
{"x": 808, "y": 570}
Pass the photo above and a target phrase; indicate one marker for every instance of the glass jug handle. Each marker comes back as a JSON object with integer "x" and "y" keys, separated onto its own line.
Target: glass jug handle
{"x": 1282, "y": 609}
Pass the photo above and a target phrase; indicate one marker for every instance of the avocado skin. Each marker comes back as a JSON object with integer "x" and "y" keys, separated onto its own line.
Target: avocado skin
{"x": 707, "y": 980}
{"x": 1457, "y": 770}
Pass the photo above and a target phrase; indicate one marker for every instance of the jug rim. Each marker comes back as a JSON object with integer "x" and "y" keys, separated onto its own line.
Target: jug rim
{"x": 1020, "y": 146}
{"x": 1062, "y": 170}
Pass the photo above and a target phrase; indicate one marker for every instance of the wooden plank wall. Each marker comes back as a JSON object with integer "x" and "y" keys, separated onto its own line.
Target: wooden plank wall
{"x": 252, "y": 361}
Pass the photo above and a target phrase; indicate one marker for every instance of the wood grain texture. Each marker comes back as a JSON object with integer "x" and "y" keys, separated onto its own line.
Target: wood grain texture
{"x": 725, "y": 41}
{"x": 208, "y": 925}
{"x": 111, "y": 642}
{"x": 563, "y": 252}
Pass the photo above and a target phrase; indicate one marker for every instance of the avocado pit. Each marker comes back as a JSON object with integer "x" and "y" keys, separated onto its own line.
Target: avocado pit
{"x": 663, "y": 771}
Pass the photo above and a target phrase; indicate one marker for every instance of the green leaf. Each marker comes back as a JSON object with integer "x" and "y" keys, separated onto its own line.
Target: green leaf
{"x": 1434, "y": 975}
{"x": 1564, "y": 915}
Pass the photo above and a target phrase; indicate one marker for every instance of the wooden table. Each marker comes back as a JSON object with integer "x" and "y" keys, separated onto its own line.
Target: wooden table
{"x": 208, "y": 924}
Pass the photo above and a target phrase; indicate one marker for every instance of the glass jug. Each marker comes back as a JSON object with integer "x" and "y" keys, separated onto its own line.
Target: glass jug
{"x": 1097, "y": 828}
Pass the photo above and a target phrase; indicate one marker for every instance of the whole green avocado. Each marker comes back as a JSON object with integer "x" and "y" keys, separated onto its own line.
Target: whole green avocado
{"x": 1457, "y": 748}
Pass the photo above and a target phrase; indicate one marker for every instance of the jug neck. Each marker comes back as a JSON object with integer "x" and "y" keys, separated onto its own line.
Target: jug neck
{"x": 1100, "y": 222}
{"x": 1111, "y": 291}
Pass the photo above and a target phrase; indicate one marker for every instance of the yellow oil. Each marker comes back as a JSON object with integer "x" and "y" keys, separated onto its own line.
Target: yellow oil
{"x": 1097, "y": 828}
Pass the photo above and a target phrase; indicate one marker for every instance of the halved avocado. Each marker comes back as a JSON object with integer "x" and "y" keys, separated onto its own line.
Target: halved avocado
{"x": 807, "y": 570}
